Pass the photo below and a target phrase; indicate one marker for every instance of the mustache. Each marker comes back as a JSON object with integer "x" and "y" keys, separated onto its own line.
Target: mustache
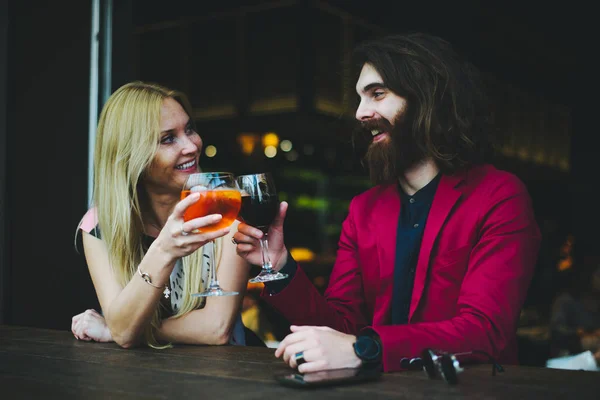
{"x": 380, "y": 124}
{"x": 361, "y": 133}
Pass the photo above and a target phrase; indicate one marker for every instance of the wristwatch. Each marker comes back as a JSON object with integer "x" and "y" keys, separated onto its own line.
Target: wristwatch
{"x": 368, "y": 349}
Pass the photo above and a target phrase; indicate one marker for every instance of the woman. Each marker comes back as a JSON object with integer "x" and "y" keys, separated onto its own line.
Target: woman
{"x": 143, "y": 262}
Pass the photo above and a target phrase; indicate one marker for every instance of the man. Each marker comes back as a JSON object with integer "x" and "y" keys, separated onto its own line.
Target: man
{"x": 440, "y": 253}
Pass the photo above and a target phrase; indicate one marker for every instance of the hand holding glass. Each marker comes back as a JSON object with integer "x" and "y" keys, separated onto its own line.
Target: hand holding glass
{"x": 219, "y": 194}
{"x": 260, "y": 205}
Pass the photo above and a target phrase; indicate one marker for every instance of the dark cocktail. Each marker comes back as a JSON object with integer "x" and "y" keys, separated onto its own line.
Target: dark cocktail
{"x": 259, "y": 207}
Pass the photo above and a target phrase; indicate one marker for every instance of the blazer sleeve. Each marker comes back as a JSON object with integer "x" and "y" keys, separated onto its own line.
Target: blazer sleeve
{"x": 342, "y": 307}
{"x": 499, "y": 271}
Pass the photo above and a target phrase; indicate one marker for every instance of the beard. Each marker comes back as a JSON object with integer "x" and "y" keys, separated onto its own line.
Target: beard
{"x": 388, "y": 159}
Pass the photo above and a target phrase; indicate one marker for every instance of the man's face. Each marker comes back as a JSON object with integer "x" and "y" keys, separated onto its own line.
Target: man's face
{"x": 379, "y": 107}
{"x": 382, "y": 115}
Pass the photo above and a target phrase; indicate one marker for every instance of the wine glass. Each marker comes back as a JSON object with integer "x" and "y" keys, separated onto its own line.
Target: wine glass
{"x": 219, "y": 194}
{"x": 260, "y": 205}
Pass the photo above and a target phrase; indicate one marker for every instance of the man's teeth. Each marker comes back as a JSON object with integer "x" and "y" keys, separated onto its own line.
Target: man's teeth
{"x": 375, "y": 132}
{"x": 186, "y": 165}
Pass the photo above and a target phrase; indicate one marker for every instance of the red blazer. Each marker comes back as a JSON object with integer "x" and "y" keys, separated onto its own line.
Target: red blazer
{"x": 475, "y": 264}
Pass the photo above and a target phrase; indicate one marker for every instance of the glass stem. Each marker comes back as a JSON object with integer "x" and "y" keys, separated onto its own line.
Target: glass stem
{"x": 214, "y": 283}
{"x": 264, "y": 247}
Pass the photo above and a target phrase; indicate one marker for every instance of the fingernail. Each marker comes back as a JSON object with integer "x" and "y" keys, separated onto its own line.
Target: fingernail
{"x": 217, "y": 217}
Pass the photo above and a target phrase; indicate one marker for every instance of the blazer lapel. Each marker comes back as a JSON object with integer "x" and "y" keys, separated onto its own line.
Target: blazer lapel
{"x": 443, "y": 202}
{"x": 386, "y": 226}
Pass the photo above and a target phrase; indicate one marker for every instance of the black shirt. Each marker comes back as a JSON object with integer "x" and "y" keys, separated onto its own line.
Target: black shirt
{"x": 411, "y": 225}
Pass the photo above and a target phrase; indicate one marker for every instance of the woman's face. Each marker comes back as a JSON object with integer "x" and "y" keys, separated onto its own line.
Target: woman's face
{"x": 178, "y": 152}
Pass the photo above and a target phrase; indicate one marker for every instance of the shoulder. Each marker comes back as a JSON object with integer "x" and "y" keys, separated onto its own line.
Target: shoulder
{"x": 493, "y": 182}
{"x": 375, "y": 194}
{"x": 89, "y": 222}
{"x": 498, "y": 197}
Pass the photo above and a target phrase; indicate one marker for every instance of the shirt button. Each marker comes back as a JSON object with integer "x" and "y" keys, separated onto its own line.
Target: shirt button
{"x": 411, "y": 200}
{"x": 412, "y": 270}
{"x": 415, "y": 225}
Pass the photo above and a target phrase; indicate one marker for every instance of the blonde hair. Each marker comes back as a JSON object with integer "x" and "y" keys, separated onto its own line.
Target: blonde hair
{"x": 127, "y": 140}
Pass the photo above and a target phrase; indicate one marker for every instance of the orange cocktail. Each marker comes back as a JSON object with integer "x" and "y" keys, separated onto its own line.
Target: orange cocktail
{"x": 226, "y": 202}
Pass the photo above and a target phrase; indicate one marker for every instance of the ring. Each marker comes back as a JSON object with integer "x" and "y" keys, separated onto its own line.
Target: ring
{"x": 234, "y": 241}
{"x": 183, "y": 232}
{"x": 299, "y": 358}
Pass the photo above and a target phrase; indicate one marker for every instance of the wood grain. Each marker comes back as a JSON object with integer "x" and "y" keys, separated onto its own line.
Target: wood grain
{"x": 36, "y": 363}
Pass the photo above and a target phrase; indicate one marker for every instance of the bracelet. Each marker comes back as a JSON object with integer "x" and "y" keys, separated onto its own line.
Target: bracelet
{"x": 148, "y": 280}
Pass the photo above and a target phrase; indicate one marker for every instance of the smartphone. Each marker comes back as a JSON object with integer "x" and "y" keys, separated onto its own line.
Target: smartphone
{"x": 334, "y": 377}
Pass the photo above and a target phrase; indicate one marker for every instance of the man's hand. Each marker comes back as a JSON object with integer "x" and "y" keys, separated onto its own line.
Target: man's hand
{"x": 323, "y": 349}
{"x": 90, "y": 325}
{"x": 248, "y": 245}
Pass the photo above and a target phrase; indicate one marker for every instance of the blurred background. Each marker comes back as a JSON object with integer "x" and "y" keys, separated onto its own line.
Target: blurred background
{"x": 273, "y": 90}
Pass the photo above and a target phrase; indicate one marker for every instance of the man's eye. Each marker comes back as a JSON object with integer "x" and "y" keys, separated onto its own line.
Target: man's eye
{"x": 378, "y": 94}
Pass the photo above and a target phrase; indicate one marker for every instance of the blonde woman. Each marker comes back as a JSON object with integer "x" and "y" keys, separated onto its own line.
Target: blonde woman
{"x": 146, "y": 147}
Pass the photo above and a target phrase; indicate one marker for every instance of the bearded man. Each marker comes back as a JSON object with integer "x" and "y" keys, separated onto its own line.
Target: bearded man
{"x": 439, "y": 253}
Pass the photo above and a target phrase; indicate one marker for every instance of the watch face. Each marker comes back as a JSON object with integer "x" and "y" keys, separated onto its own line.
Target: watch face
{"x": 361, "y": 346}
{"x": 367, "y": 348}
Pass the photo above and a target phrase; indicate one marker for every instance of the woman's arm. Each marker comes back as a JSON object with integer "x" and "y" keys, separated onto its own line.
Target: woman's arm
{"x": 214, "y": 323}
{"x": 128, "y": 310}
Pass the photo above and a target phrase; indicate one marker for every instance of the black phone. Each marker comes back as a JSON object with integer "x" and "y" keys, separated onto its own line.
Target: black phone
{"x": 344, "y": 376}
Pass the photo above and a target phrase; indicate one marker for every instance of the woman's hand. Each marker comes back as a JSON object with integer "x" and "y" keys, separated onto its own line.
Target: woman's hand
{"x": 248, "y": 245}
{"x": 176, "y": 238}
{"x": 90, "y": 325}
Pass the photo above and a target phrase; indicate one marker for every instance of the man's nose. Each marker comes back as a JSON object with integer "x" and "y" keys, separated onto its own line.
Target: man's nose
{"x": 364, "y": 112}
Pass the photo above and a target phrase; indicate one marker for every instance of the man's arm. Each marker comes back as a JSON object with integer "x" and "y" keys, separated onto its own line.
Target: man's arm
{"x": 342, "y": 306}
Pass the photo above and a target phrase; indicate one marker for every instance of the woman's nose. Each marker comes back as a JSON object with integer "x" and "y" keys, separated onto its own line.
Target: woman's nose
{"x": 189, "y": 146}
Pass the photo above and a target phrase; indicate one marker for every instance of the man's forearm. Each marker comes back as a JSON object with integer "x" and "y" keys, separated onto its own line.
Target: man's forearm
{"x": 288, "y": 268}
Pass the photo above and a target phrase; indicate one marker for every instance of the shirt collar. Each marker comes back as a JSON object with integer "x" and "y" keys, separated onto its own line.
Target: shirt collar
{"x": 425, "y": 194}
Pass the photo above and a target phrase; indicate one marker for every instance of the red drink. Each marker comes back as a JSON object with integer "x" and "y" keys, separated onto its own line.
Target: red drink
{"x": 259, "y": 212}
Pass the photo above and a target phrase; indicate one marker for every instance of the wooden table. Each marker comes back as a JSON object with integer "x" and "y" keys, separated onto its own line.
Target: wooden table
{"x": 39, "y": 363}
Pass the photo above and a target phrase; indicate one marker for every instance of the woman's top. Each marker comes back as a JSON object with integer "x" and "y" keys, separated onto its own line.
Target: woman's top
{"x": 89, "y": 224}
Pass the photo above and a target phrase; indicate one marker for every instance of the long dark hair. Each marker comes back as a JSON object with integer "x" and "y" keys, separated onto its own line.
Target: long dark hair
{"x": 446, "y": 101}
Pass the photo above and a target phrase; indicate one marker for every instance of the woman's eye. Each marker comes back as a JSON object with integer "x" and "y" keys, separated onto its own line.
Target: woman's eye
{"x": 167, "y": 139}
